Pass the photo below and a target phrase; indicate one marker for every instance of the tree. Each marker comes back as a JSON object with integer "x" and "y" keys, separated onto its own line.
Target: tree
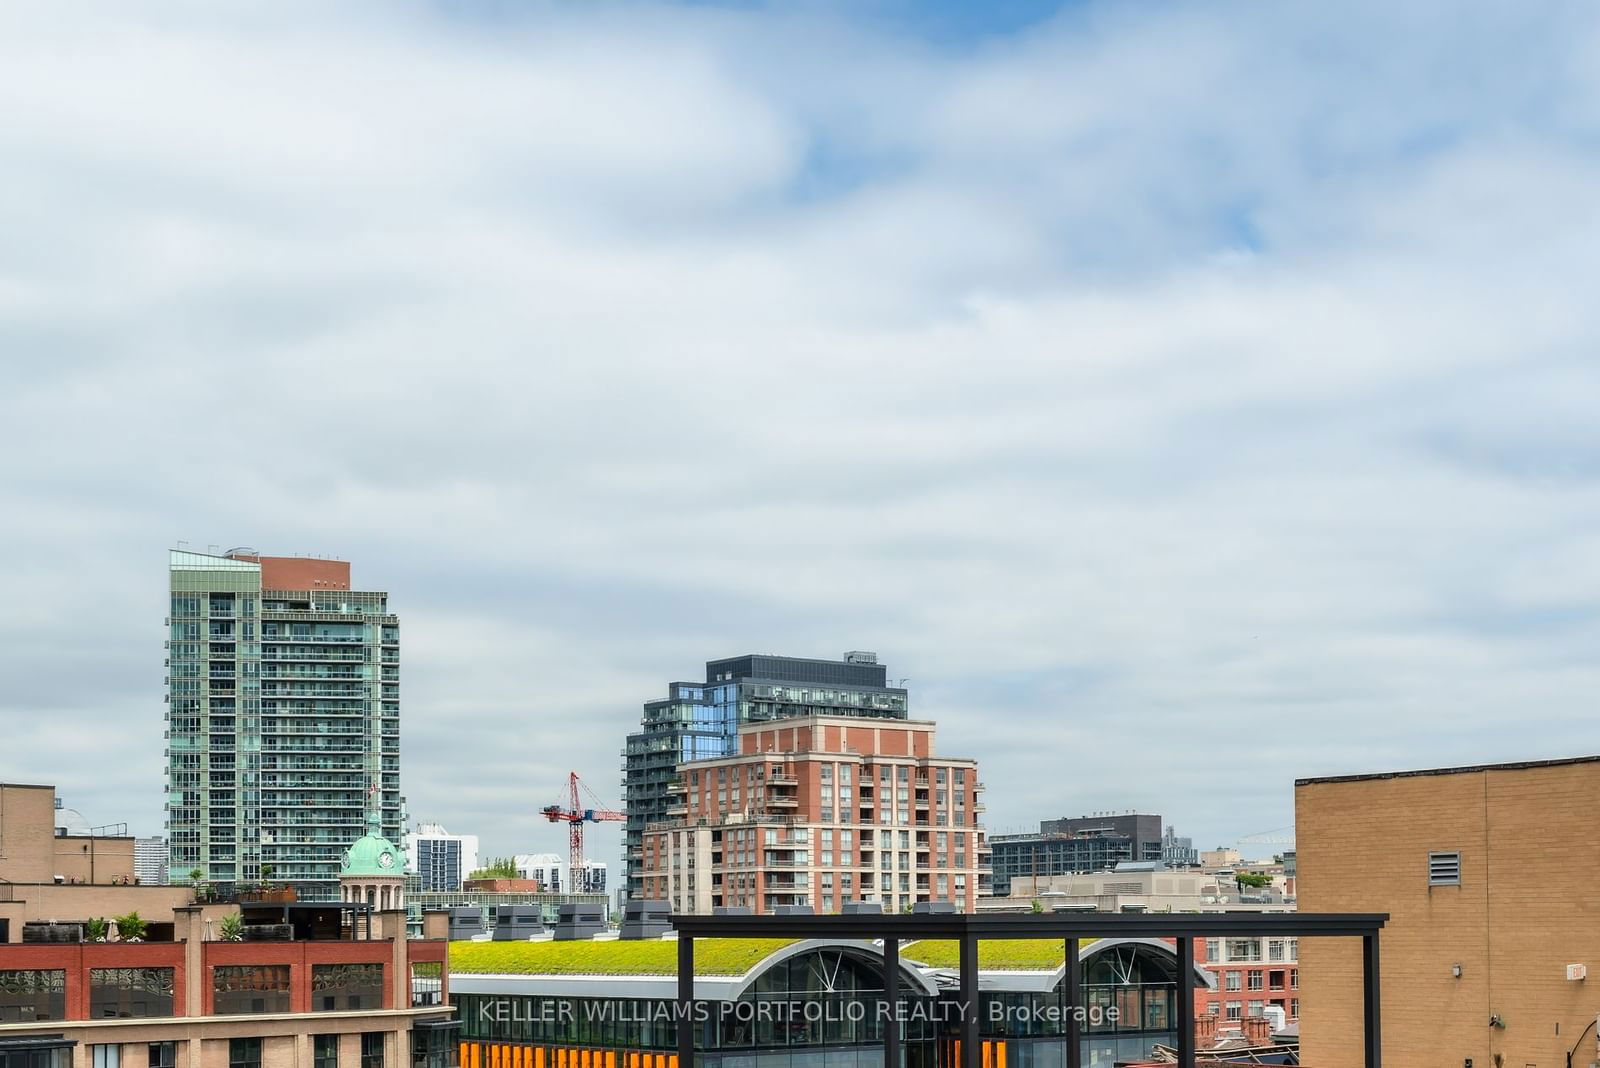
{"x": 96, "y": 929}
{"x": 195, "y": 875}
{"x": 232, "y": 928}
{"x": 268, "y": 871}
{"x": 498, "y": 868}
{"x": 1252, "y": 879}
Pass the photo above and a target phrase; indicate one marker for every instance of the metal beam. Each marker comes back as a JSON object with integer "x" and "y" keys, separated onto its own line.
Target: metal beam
{"x": 685, "y": 1001}
{"x": 1184, "y": 1024}
{"x": 969, "y": 1001}
{"x": 1072, "y": 991}
{"x": 891, "y": 997}
{"x": 1372, "y": 1001}
{"x": 871, "y": 926}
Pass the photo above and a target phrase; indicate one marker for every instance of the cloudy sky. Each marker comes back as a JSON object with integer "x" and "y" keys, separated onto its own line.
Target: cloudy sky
{"x": 1184, "y": 398}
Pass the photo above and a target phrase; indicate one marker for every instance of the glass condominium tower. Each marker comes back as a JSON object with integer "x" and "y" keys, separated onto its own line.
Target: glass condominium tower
{"x": 698, "y": 720}
{"x": 283, "y": 719}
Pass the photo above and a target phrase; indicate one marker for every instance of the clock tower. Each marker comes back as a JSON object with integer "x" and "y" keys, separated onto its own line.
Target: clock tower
{"x": 374, "y": 871}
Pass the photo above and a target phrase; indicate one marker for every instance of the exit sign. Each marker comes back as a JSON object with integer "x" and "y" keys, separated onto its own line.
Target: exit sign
{"x": 1577, "y": 971}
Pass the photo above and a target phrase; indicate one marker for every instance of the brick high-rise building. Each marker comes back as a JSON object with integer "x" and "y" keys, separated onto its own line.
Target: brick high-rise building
{"x": 1491, "y": 951}
{"x": 698, "y": 720}
{"x": 283, "y": 718}
{"x": 819, "y": 811}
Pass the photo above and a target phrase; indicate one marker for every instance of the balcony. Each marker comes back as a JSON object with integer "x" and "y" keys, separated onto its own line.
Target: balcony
{"x": 787, "y": 862}
{"x": 313, "y": 639}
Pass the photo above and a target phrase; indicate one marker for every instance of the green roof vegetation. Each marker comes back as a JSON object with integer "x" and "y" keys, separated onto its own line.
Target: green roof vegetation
{"x": 997, "y": 954}
{"x": 712, "y": 956}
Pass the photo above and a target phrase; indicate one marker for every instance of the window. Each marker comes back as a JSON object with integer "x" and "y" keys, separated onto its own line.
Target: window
{"x": 1244, "y": 949}
{"x": 1235, "y": 1010}
{"x": 324, "y": 1051}
{"x": 427, "y": 987}
{"x": 346, "y": 986}
{"x": 257, "y": 989}
{"x": 1213, "y": 950}
{"x": 372, "y": 1049}
{"x": 1444, "y": 869}
{"x": 244, "y": 1052}
{"x": 1255, "y": 980}
{"x": 106, "y": 1056}
{"x": 163, "y": 1055}
{"x": 129, "y": 992}
{"x": 1231, "y": 981}
{"x": 1275, "y": 949}
{"x": 33, "y": 994}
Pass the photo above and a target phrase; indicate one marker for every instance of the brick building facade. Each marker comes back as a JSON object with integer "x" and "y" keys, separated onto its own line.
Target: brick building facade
{"x": 1487, "y": 874}
{"x": 819, "y": 811}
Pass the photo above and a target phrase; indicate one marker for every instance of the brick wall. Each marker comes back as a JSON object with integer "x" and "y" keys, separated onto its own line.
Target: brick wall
{"x": 1527, "y": 905}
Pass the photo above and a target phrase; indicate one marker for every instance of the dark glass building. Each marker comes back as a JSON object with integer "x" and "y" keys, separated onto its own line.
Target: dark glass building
{"x": 1076, "y": 844}
{"x": 699, "y": 720}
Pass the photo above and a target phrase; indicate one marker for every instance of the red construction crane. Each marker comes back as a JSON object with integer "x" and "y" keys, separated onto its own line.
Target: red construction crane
{"x": 576, "y": 816}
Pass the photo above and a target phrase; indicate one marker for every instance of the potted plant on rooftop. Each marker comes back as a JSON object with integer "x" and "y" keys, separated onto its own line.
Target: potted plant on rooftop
{"x": 265, "y": 892}
{"x": 131, "y": 928}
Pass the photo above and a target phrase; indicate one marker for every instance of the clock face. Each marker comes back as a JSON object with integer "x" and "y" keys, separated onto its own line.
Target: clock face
{"x": 386, "y": 859}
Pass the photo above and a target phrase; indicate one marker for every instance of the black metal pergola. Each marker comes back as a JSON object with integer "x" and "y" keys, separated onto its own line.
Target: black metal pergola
{"x": 967, "y": 930}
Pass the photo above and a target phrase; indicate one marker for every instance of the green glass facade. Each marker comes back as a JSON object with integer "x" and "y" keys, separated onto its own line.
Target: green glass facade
{"x": 283, "y": 725}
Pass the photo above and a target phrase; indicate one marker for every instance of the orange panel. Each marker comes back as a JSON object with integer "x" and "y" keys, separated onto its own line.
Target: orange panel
{"x": 611, "y": 1059}
{"x": 999, "y": 1055}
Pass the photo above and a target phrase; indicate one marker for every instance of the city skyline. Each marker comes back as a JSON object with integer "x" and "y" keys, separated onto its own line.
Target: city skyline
{"x": 1184, "y": 400}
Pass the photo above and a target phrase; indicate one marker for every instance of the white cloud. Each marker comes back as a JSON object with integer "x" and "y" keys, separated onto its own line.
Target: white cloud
{"x": 1190, "y": 399}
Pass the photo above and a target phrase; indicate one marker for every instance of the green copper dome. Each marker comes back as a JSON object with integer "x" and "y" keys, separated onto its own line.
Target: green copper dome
{"x": 373, "y": 854}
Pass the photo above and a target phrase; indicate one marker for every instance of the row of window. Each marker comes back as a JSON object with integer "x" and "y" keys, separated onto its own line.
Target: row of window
{"x": 1250, "y": 950}
{"x": 28, "y": 995}
{"x": 1238, "y": 1010}
{"x": 1256, "y": 979}
{"x": 246, "y": 1052}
